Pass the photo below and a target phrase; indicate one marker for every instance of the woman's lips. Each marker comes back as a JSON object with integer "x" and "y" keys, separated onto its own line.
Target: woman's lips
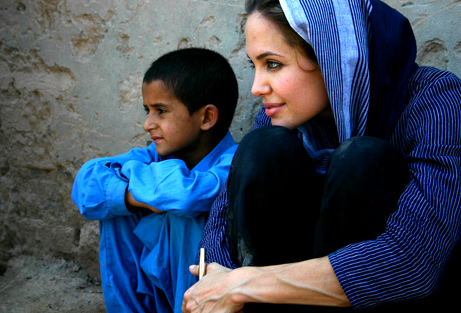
{"x": 272, "y": 108}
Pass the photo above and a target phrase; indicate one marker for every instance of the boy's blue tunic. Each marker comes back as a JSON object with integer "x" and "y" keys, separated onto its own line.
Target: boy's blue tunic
{"x": 145, "y": 257}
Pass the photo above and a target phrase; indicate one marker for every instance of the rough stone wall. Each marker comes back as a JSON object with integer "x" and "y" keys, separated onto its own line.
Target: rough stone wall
{"x": 70, "y": 78}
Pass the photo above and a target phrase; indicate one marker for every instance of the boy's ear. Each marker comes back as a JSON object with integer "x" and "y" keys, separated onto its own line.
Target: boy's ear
{"x": 210, "y": 116}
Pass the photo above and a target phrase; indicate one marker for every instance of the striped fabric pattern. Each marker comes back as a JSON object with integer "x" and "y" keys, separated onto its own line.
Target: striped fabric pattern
{"x": 214, "y": 238}
{"x": 407, "y": 261}
{"x": 338, "y": 35}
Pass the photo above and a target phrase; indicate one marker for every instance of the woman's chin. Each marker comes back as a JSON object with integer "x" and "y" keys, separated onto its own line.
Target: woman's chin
{"x": 284, "y": 123}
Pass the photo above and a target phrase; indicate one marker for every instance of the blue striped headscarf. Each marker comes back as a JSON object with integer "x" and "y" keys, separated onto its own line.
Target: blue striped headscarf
{"x": 366, "y": 51}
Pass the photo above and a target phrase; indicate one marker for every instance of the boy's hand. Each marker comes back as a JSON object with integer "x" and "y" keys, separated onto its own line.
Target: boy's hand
{"x": 129, "y": 200}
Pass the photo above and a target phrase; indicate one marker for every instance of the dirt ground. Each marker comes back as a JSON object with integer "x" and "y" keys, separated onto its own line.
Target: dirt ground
{"x": 30, "y": 285}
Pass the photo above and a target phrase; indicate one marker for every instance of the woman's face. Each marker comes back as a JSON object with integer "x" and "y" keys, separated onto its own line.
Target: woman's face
{"x": 291, "y": 86}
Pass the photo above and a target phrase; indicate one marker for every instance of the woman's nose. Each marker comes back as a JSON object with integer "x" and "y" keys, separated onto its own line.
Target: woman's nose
{"x": 260, "y": 85}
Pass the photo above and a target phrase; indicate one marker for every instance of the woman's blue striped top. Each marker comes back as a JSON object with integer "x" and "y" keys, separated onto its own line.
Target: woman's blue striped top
{"x": 366, "y": 52}
{"x": 407, "y": 261}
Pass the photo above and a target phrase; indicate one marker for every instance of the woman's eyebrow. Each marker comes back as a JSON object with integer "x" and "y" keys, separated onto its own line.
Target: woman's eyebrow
{"x": 266, "y": 54}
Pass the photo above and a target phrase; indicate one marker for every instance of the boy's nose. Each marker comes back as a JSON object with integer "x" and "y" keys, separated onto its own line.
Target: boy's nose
{"x": 149, "y": 123}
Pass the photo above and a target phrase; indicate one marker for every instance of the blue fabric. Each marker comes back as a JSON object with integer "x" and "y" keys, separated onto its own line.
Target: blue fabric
{"x": 391, "y": 63}
{"x": 214, "y": 238}
{"x": 331, "y": 27}
{"x": 145, "y": 257}
{"x": 407, "y": 261}
{"x": 416, "y": 109}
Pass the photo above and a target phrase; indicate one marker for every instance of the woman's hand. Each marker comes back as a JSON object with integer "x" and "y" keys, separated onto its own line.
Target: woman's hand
{"x": 213, "y": 293}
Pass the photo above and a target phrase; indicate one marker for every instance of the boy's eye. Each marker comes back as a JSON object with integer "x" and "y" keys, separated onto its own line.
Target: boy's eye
{"x": 159, "y": 110}
{"x": 252, "y": 65}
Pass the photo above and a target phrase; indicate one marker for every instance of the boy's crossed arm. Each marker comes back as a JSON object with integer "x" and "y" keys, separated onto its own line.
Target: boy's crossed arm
{"x": 130, "y": 201}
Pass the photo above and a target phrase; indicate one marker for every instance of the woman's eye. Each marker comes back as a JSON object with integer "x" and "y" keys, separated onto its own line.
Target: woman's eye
{"x": 273, "y": 64}
{"x": 270, "y": 64}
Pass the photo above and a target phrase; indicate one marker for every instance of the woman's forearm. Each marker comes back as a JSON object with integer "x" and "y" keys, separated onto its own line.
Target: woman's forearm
{"x": 311, "y": 282}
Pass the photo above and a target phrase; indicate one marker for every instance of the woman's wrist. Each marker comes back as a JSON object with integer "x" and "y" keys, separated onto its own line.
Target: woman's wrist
{"x": 243, "y": 281}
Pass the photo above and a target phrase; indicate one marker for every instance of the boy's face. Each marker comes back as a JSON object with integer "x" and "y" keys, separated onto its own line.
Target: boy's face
{"x": 173, "y": 130}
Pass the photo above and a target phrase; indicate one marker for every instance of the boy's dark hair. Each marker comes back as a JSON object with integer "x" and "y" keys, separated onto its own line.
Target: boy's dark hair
{"x": 197, "y": 77}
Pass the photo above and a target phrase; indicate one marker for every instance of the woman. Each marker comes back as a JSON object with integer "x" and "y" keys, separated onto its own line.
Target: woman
{"x": 356, "y": 196}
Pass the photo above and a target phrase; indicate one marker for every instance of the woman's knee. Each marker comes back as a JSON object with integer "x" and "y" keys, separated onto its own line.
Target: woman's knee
{"x": 271, "y": 152}
{"x": 365, "y": 179}
{"x": 269, "y": 144}
{"x": 368, "y": 163}
{"x": 361, "y": 154}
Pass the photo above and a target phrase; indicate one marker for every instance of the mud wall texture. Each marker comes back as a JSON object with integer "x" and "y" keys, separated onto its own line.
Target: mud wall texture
{"x": 70, "y": 78}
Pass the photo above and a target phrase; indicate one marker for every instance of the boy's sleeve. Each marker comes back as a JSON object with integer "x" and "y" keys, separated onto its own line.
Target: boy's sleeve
{"x": 99, "y": 187}
{"x": 170, "y": 186}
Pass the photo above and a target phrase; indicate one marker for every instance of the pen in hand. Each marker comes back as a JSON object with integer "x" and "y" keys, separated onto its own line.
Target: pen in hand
{"x": 201, "y": 267}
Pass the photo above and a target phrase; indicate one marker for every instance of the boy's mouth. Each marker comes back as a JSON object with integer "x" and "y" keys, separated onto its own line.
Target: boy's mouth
{"x": 156, "y": 139}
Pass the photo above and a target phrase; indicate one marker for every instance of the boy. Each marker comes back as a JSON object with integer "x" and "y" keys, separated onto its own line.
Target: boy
{"x": 152, "y": 202}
